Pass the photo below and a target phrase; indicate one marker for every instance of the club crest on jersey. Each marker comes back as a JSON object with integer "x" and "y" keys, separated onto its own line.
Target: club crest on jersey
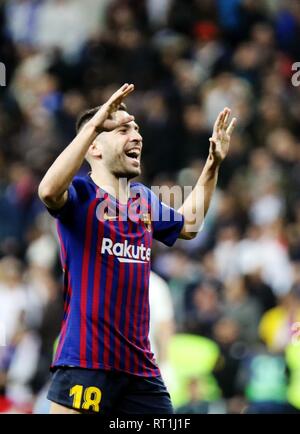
{"x": 146, "y": 219}
{"x": 126, "y": 252}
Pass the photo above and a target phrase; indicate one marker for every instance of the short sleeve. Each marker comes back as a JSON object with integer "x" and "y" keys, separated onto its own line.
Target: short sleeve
{"x": 167, "y": 222}
{"x": 65, "y": 213}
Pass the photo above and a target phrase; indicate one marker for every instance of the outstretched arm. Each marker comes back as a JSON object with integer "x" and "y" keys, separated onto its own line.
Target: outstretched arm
{"x": 53, "y": 189}
{"x": 197, "y": 203}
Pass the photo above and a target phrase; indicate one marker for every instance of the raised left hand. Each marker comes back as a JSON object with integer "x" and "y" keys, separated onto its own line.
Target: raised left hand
{"x": 220, "y": 140}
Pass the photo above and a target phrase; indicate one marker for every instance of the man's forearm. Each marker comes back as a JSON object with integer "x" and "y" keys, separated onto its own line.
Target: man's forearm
{"x": 208, "y": 181}
{"x": 58, "y": 178}
{"x": 196, "y": 205}
{"x": 53, "y": 188}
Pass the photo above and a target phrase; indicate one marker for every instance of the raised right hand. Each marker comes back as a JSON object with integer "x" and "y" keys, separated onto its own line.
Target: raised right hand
{"x": 104, "y": 119}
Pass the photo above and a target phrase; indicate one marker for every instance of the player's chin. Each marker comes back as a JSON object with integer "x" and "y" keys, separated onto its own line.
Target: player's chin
{"x": 127, "y": 173}
{"x": 133, "y": 170}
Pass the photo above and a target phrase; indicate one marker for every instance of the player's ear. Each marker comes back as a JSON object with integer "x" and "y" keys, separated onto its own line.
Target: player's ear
{"x": 95, "y": 149}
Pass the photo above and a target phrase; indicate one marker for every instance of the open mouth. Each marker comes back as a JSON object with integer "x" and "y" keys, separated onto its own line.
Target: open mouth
{"x": 133, "y": 154}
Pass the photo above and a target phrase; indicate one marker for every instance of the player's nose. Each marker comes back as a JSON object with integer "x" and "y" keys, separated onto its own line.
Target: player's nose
{"x": 136, "y": 137}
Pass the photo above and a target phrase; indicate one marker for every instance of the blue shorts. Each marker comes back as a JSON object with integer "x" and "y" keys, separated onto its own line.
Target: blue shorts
{"x": 109, "y": 392}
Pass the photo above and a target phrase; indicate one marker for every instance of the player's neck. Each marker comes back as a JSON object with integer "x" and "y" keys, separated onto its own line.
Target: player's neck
{"x": 116, "y": 187}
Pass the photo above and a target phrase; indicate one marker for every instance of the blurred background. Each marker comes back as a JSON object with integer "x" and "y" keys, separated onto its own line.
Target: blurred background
{"x": 225, "y": 306}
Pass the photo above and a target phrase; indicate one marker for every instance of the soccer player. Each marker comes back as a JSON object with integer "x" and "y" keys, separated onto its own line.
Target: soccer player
{"x": 103, "y": 363}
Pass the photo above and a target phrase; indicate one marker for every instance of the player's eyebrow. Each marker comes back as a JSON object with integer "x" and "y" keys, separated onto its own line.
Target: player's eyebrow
{"x": 127, "y": 126}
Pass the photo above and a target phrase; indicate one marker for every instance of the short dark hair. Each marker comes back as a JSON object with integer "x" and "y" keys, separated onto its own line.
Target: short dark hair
{"x": 84, "y": 117}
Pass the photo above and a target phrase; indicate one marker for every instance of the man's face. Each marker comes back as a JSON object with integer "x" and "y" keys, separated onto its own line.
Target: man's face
{"x": 121, "y": 149}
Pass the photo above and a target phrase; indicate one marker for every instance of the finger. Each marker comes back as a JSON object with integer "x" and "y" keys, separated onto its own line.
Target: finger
{"x": 126, "y": 120}
{"x": 127, "y": 91}
{"x": 111, "y": 124}
{"x": 119, "y": 100}
{"x": 114, "y": 106}
{"x": 121, "y": 93}
{"x": 222, "y": 119}
{"x": 221, "y": 127}
{"x": 232, "y": 126}
{"x": 226, "y": 118}
{"x": 218, "y": 122}
{"x": 116, "y": 100}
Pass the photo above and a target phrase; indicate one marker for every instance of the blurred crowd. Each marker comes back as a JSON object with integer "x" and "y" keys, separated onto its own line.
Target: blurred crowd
{"x": 227, "y": 332}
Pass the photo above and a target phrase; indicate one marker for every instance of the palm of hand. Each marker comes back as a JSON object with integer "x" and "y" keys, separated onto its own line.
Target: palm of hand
{"x": 105, "y": 118}
{"x": 220, "y": 140}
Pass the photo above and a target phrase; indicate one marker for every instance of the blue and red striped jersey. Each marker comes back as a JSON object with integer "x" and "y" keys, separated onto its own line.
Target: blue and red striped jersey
{"x": 106, "y": 254}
